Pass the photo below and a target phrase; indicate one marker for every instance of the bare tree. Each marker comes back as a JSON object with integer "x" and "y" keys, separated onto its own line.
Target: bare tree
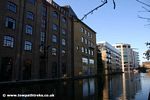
{"x": 146, "y": 8}
{"x": 96, "y": 8}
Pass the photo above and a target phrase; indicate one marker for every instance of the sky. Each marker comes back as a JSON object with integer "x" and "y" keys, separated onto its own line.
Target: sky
{"x": 121, "y": 25}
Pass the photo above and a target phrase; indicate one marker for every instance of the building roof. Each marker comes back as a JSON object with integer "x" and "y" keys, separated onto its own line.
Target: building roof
{"x": 122, "y": 44}
{"x": 106, "y": 44}
{"x": 70, "y": 10}
{"x": 72, "y": 13}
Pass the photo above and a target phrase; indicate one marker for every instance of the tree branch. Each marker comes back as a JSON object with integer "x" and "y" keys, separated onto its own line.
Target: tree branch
{"x": 90, "y": 12}
{"x": 114, "y": 4}
{"x": 147, "y": 25}
{"x": 146, "y": 9}
{"x": 143, "y": 3}
{"x": 104, "y": 2}
{"x": 143, "y": 17}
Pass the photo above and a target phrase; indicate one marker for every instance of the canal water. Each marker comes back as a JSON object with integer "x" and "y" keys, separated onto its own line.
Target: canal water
{"x": 129, "y": 86}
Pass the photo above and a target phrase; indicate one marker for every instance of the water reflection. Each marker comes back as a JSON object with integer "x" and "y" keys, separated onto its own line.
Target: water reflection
{"x": 86, "y": 89}
{"x": 122, "y": 87}
{"x": 145, "y": 85}
{"x": 116, "y": 87}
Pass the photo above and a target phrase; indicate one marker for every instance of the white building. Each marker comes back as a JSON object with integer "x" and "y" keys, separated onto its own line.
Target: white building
{"x": 129, "y": 58}
{"x": 111, "y": 57}
{"x": 136, "y": 59}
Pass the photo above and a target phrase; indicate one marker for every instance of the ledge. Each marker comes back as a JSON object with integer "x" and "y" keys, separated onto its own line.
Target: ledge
{"x": 34, "y": 81}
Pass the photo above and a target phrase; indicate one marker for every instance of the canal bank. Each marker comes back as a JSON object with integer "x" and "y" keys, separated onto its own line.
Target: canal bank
{"x": 21, "y": 82}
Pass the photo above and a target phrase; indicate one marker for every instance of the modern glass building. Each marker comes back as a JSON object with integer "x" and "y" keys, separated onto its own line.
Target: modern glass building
{"x": 129, "y": 57}
{"x": 111, "y": 57}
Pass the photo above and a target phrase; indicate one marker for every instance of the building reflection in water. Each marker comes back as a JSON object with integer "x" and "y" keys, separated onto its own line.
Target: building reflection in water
{"x": 121, "y": 87}
{"x": 148, "y": 74}
{"x": 86, "y": 89}
{"x": 116, "y": 87}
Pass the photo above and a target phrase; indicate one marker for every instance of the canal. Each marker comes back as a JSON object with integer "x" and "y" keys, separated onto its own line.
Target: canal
{"x": 130, "y": 86}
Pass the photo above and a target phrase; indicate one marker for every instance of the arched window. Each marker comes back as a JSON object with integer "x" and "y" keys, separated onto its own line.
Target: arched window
{"x": 64, "y": 20}
{"x": 55, "y": 14}
{"x": 54, "y": 38}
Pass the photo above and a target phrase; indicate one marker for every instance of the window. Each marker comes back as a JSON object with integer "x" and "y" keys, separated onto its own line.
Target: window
{"x": 77, "y": 47}
{"x": 86, "y": 41}
{"x": 85, "y": 60}
{"x": 63, "y": 52}
{"x": 8, "y": 41}
{"x": 54, "y": 51}
{"x": 43, "y": 23}
{"x": 86, "y": 50}
{"x": 82, "y": 30}
{"x": 92, "y": 52}
{"x": 10, "y": 23}
{"x": 54, "y": 38}
{"x": 28, "y": 46}
{"x": 42, "y": 41}
{"x": 29, "y": 15}
{"x": 28, "y": 29}
{"x": 64, "y": 20}
{"x": 12, "y": 7}
{"x": 42, "y": 37}
{"x": 89, "y": 51}
{"x": 85, "y": 31}
{"x": 63, "y": 42}
{"x": 42, "y": 48}
{"x": 89, "y": 34}
{"x": 118, "y": 46}
{"x": 125, "y": 56}
{"x": 63, "y": 31}
{"x": 31, "y": 1}
{"x": 82, "y": 39}
{"x": 55, "y": 14}
{"x": 43, "y": 11}
{"x": 124, "y": 46}
{"x": 55, "y": 27}
{"x": 82, "y": 49}
{"x": 91, "y": 61}
{"x": 89, "y": 43}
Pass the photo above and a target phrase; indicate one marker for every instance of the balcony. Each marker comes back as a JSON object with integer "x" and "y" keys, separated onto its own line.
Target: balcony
{"x": 91, "y": 47}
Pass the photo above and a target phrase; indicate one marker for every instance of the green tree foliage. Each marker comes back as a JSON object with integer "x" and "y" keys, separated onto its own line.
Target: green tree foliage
{"x": 147, "y": 52}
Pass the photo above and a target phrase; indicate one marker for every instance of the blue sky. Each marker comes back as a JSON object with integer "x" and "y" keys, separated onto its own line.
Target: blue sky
{"x": 115, "y": 26}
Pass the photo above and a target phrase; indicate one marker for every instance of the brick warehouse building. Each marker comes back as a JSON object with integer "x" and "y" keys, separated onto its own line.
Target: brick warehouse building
{"x": 36, "y": 40}
{"x": 85, "y": 56}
